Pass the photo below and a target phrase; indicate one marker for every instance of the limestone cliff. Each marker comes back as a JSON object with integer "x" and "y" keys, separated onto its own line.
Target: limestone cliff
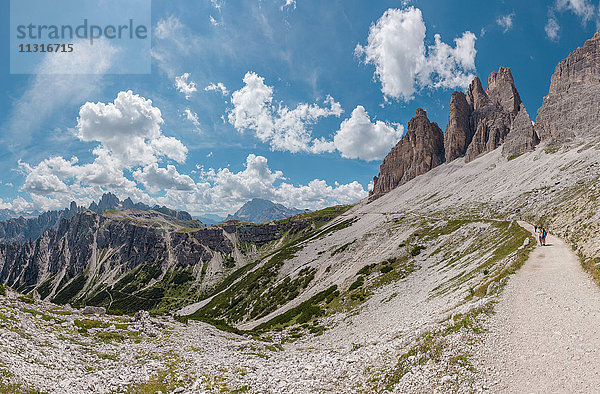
{"x": 420, "y": 149}
{"x": 571, "y": 107}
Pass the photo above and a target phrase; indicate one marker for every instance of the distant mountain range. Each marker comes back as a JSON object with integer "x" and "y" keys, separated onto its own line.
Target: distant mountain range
{"x": 20, "y": 229}
{"x": 258, "y": 210}
{"x": 210, "y": 219}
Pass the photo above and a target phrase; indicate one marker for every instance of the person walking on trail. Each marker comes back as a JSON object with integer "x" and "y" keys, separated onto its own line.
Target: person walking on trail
{"x": 543, "y": 236}
{"x": 539, "y": 233}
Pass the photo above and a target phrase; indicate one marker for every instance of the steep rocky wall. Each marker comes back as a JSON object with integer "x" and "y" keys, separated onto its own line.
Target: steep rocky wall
{"x": 571, "y": 107}
{"x": 419, "y": 150}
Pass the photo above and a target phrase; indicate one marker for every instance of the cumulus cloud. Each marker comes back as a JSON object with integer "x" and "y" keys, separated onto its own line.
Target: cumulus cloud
{"x": 505, "y": 22}
{"x": 129, "y": 130}
{"x": 288, "y": 3}
{"x": 128, "y": 135}
{"x": 155, "y": 179}
{"x": 185, "y": 87}
{"x": 283, "y": 128}
{"x": 224, "y": 191}
{"x": 217, "y": 87}
{"x": 359, "y": 138}
{"x": 396, "y": 47}
{"x": 216, "y": 191}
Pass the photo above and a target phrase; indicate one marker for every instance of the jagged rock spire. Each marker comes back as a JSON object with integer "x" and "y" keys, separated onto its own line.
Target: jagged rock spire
{"x": 419, "y": 150}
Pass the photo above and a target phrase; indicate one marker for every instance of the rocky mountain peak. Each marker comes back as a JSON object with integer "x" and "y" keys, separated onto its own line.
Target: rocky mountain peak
{"x": 420, "y": 149}
{"x": 476, "y": 96}
{"x": 259, "y": 210}
{"x": 421, "y": 113}
{"x": 571, "y": 107}
{"x": 501, "y": 89}
{"x": 478, "y": 122}
{"x": 458, "y": 134}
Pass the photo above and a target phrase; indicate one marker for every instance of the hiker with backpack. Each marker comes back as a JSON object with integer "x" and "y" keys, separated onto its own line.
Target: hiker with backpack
{"x": 543, "y": 236}
{"x": 539, "y": 232}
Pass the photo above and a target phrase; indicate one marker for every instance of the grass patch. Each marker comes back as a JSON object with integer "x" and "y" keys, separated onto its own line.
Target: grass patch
{"x": 71, "y": 290}
{"x": 552, "y": 149}
{"x": 304, "y": 312}
{"x": 512, "y": 157}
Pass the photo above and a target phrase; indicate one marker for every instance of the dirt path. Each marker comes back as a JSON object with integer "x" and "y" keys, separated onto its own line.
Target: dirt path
{"x": 545, "y": 335}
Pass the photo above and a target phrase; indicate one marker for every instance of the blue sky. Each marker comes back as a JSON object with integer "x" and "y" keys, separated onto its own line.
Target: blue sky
{"x": 293, "y": 101}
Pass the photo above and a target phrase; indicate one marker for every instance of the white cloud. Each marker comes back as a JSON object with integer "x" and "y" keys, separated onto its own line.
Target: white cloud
{"x": 582, "y": 8}
{"x": 505, "y": 22}
{"x": 155, "y": 179}
{"x": 552, "y": 28}
{"x": 185, "y": 87}
{"x": 191, "y": 116}
{"x": 217, "y": 191}
{"x": 129, "y": 134}
{"x": 359, "y": 138}
{"x": 129, "y": 130}
{"x": 396, "y": 47}
{"x": 283, "y": 128}
{"x": 217, "y": 87}
{"x": 288, "y": 3}
{"x": 223, "y": 191}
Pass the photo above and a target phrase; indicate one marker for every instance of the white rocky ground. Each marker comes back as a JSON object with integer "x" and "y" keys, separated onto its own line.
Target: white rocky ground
{"x": 418, "y": 334}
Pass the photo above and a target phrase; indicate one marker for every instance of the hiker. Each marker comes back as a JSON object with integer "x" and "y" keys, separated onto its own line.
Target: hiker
{"x": 543, "y": 236}
{"x": 540, "y": 233}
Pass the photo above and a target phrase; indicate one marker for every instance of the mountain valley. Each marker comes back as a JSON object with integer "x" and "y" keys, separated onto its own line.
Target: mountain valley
{"x": 391, "y": 293}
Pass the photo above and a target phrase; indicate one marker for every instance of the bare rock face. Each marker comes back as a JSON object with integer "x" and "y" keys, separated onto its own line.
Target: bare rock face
{"x": 476, "y": 96}
{"x": 458, "y": 134}
{"x": 501, "y": 89}
{"x": 491, "y": 124}
{"x": 490, "y": 116}
{"x": 522, "y": 137}
{"x": 419, "y": 150}
{"x": 571, "y": 107}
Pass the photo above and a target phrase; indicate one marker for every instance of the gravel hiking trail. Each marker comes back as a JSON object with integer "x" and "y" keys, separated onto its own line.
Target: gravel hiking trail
{"x": 545, "y": 334}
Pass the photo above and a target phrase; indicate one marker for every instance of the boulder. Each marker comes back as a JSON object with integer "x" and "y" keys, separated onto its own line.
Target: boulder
{"x": 94, "y": 310}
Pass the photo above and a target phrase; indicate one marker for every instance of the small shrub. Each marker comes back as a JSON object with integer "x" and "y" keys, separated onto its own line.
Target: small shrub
{"x": 385, "y": 269}
{"x": 416, "y": 250}
{"x": 366, "y": 270}
{"x": 2, "y": 290}
{"x": 357, "y": 283}
{"x": 229, "y": 262}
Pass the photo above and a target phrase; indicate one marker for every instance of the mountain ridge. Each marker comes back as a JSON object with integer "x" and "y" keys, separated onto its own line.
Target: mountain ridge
{"x": 259, "y": 210}
{"x": 21, "y": 229}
